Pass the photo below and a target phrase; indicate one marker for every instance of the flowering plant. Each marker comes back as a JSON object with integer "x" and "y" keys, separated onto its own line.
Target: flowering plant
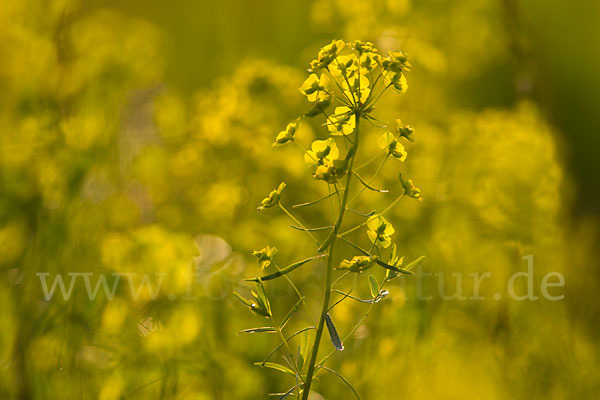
{"x": 351, "y": 77}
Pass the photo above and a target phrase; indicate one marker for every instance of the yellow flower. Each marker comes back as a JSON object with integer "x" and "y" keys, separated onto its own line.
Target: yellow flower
{"x": 357, "y": 85}
{"x": 344, "y": 66}
{"x": 331, "y": 170}
{"x": 358, "y": 263}
{"x": 342, "y": 122}
{"x": 273, "y": 198}
{"x": 396, "y": 79}
{"x": 380, "y": 231}
{"x": 265, "y": 256}
{"x": 396, "y": 62}
{"x": 364, "y": 47}
{"x": 321, "y": 151}
{"x": 327, "y": 54}
{"x": 314, "y": 88}
{"x": 286, "y": 136}
{"x": 394, "y": 148}
{"x": 410, "y": 189}
{"x": 405, "y": 131}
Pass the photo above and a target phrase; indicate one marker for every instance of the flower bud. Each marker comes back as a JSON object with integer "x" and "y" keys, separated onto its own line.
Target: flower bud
{"x": 273, "y": 198}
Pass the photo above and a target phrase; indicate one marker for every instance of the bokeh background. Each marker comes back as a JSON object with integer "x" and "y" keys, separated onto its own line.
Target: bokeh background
{"x": 136, "y": 137}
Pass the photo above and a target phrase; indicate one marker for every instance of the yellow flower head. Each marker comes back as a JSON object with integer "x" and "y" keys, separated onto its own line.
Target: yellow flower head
{"x": 287, "y": 135}
{"x": 357, "y": 87}
{"x": 358, "y": 263}
{"x": 380, "y": 231}
{"x": 396, "y": 79}
{"x": 394, "y": 148}
{"x": 273, "y": 198}
{"x": 331, "y": 170}
{"x": 405, "y": 131}
{"x": 327, "y": 54}
{"x": 342, "y": 122}
{"x": 410, "y": 189}
{"x": 368, "y": 62}
{"x": 396, "y": 62}
{"x": 344, "y": 66}
{"x": 314, "y": 88}
{"x": 321, "y": 151}
{"x": 265, "y": 256}
{"x": 364, "y": 47}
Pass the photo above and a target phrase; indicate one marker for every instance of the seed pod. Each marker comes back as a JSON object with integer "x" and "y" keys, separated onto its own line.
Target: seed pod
{"x": 335, "y": 338}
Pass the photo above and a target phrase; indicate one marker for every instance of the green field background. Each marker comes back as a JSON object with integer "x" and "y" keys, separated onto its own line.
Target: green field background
{"x": 135, "y": 137}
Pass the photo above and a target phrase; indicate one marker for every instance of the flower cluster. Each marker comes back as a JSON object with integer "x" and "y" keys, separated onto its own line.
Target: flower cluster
{"x": 265, "y": 256}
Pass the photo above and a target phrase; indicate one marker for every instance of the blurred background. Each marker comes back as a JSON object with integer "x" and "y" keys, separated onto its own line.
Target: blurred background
{"x": 136, "y": 137}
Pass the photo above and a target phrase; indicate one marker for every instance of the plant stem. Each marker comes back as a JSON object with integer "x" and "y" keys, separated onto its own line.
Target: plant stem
{"x": 285, "y": 210}
{"x": 327, "y": 295}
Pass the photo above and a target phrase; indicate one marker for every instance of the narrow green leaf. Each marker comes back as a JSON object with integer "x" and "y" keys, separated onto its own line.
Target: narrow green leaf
{"x": 286, "y": 394}
{"x": 366, "y": 215}
{"x": 261, "y": 297}
{"x": 327, "y": 241}
{"x": 411, "y": 264}
{"x": 374, "y": 286}
{"x": 314, "y": 201}
{"x": 280, "y": 345}
{"x": 243, "y": 299}
{"x": 335, "y": 338}
{"x": 382, "y": 293}
{"x": 285, "y": 270}
{"x": 322, "y": 228}
{"x": 264, "y": 329}
{"x": 291, "y": 312}
{"x": 276, "y": 366}
{"x": 346, "y": 381}
{"x": 369, "y": 186}
{"x": 390, "y": 267}
{"x": 304, "y": 347}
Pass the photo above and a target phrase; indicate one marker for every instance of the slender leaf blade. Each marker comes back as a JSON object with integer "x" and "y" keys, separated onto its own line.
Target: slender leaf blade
{"x": 374, "y": 286}
{"x": 262, "y": 329}
{"x": 277, "y": 367}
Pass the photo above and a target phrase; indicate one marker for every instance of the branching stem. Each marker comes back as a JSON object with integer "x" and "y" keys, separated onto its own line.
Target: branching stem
{"x": 330, "y": 259}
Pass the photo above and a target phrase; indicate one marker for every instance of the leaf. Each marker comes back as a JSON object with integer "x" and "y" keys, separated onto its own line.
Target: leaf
{"x": 243, "y": 299}
{"x": 285, "y": 270}
{"x": 280, "y": 345}
{"x": 374, "y": 286}
{"x": 327, "y": 241}
{"x": 382, "y": 293}
{"x": 289, "y": 392}
{"x": 346, "y": 381}
{"x": 368, "y": 186}
{"x": 304, "y": 347}
{"x": 335, "y": 338}
{"x": 314, "y": 201}
{"x": 276, "y": 366}
{"x": 322, "y": 228}
{"x": 390, "y": 267}
{"x": 264, "y": 329}
{"x": 411, "y": 264}
{"x": 261, "y": 297}
{"x": 291, "y": 312}
{"x": 366, "y": 215}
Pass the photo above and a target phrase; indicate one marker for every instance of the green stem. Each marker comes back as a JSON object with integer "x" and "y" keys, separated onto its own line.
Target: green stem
{"x": 299, "y": 224}
{"x": 287, "y": 346}
{"x": 370, "y": 180}
{"x": 297, "y": 293}
{"x": 330, "y": 257}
